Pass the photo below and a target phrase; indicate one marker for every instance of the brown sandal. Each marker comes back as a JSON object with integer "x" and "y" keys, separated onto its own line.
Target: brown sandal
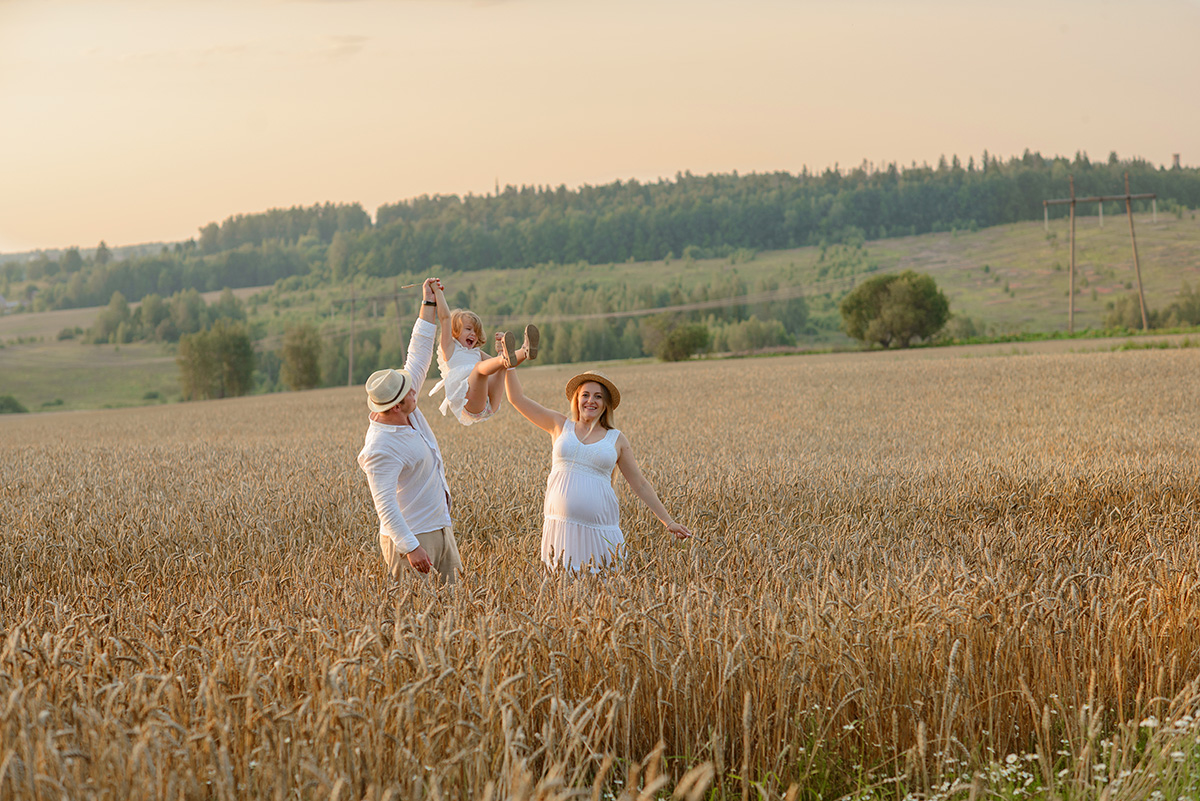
{"x": 531, "y": 341}
{"x": 508, "y": 347}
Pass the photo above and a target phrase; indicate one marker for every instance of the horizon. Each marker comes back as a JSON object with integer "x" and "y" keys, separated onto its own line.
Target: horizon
{"x": 139, "y": 122}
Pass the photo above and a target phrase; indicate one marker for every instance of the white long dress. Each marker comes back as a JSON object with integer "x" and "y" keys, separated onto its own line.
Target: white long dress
{"x": 582, "y": 520}
{"x": 455, "y": 373}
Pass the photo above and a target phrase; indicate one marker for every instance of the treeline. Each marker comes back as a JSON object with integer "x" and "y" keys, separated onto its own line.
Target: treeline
{"x": 690, "y": 216}
{"x": 604, "y": 333}
{"x": 244, "y": 250}
{"x": 715, "y": 214}
{"x": 159, "y": 319}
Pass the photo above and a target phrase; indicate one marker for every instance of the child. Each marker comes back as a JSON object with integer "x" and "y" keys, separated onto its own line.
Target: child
{"x": 473, "y": 382}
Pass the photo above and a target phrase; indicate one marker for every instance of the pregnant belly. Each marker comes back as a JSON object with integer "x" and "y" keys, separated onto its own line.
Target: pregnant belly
{"x": 581, "y": 498}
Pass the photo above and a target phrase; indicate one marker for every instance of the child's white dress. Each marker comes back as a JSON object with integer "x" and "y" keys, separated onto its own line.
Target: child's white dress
{"x": 454, "y": 380}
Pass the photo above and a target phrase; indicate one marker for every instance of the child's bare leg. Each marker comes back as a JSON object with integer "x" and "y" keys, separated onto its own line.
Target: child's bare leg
{"x": 486, "y": 382}
{"x": 477, "y": 390}
{"x": 496, "y": 389}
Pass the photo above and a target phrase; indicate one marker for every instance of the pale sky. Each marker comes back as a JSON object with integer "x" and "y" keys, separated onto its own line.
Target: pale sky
{"x": 142, "y": 120}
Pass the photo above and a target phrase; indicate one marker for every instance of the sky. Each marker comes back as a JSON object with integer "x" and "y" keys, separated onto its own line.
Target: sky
{"x": 135, "y": 121}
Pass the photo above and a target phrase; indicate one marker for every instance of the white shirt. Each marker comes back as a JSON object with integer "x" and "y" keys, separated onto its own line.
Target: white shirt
{"x": 403, "y": 464}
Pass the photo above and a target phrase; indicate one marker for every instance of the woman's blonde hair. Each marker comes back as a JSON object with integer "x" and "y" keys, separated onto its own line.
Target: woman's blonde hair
{"x": 605, "y": 420}
{"x": 460, "y": 316}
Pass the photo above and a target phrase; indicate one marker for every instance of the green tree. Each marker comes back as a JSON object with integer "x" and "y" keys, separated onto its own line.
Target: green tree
{"x": 109, "y": 320}
{"x": 301, "y": 357}
{"x": 217, "y": 363}
{"x": 893, "y": 310}
{"x": 10, "y": 405}
{"x": 227, "y": 307}
{"x": 103, "y": 254}
{"x": 1126, "y": 312}
{"x": 197, "y": 372}
{"x": 338, "y": 257}
{"x": 1185, "y": 309}
{"x": 151, "y": 313}
{"x": 683, "y": 342}
{"x": 71, "y": 261}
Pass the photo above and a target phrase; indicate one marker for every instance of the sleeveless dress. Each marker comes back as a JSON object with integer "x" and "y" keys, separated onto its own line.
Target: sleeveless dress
{"x": 454, "y": 380}
{"x": 582, "y": 520}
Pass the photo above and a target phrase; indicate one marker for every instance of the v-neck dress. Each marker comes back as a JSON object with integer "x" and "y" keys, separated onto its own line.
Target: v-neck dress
{"x": 582, "y": 528}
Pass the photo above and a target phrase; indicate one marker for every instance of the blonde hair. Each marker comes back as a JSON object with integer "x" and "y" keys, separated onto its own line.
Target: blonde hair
{"x": 605, "y": 419}
{"x": 460, "y": 316}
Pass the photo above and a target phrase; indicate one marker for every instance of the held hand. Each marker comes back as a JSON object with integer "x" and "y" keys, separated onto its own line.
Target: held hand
{"x": 680, "y": 531}
{"x": 430, "y": 283}
{"x": 419, "y": 560}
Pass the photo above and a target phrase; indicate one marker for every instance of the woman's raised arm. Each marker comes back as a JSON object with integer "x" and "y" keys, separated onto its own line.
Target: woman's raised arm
{"x": 549, "y": 421}
{"x": 641, "y": 486}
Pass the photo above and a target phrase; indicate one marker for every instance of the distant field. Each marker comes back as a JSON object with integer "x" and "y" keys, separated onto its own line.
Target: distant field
{"x": 914, "y": 576}
{"x": 86, "y": 376}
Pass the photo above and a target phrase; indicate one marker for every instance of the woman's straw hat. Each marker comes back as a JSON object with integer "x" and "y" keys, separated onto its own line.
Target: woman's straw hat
{"x": 386, "y": 388}
{"x": 599, "y": 378}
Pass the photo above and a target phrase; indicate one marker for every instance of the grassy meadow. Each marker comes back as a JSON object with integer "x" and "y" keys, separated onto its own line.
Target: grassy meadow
{"x": 914, "y": 576}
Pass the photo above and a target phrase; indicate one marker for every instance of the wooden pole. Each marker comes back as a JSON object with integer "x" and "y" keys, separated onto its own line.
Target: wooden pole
{"x": 350, "y": 372}
{"x": 1071, "y": 289}
{"x": 1101, "y": 204}
{"x": 1046, "y": 216}
{"x": 1137, "y": 268}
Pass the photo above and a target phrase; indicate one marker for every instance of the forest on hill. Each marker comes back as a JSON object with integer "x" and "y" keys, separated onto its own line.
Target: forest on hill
{"x": 687, "y": 217}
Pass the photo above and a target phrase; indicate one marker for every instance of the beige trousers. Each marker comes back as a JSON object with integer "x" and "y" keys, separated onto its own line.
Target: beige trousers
{"x": 439, "y": 544}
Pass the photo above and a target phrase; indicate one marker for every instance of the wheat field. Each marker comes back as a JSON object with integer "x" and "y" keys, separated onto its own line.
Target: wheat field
{"x": 925, "y": 577}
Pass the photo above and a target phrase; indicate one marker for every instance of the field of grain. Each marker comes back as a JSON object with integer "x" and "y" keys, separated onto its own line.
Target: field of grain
{"x": 926, "y": 577}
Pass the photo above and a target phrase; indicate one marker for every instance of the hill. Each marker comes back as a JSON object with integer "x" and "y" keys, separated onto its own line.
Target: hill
{"x": 1007, "y": 279}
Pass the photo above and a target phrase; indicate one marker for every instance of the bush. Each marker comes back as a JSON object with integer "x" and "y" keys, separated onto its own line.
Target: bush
{"x": 683, "y": 342}
{"x": 751, "y": 335}
{"x": 1126, "y": 312}
{"x": 893, "y": 310}
{"x": 10, "y": 405}
{"x": 1185, "y": 309}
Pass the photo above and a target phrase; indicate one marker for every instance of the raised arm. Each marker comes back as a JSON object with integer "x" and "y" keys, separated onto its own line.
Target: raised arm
{"x": 641, "y": 486}
{"x": 420, "y": 344}
{"x": 445, "y": 337}
{"x": 549, "y": 421}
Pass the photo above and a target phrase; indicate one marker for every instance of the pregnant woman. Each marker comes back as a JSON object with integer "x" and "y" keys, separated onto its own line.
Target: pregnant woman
{"x": 582, "y": 528}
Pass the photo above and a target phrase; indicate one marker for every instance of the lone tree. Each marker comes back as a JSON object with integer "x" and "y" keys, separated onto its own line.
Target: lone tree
{"x": 217, "y": 363}
{"x": 301, "y": 357}
{"x": 893, "y": 310}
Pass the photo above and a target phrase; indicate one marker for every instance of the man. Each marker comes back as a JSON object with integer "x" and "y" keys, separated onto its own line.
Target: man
{"x": 404, "y": 466}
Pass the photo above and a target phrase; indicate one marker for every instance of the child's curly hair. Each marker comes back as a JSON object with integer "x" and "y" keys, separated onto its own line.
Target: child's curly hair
{"x": 460, "y": 316}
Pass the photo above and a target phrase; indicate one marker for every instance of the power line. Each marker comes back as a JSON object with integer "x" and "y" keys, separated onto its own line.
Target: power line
{"x": 501, "y": 322}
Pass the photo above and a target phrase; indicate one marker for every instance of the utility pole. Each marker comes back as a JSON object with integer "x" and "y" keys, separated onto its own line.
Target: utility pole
{"x": 1072, "y": 200}
{"x": 350, "y": 372}
{"x": 1137, "y": 268}
{"x": 1071, "y": 291}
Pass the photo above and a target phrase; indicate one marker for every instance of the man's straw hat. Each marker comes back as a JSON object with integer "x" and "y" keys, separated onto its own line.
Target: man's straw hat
{"x": 599, "y": 378}
{"x": 386, "y": 388}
